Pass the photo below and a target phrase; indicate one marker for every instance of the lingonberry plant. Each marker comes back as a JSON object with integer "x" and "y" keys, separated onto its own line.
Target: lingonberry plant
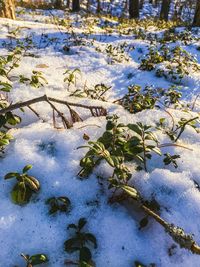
{"x": 56, "y": 204}
{"x": 177, "y": 129}
{"x": 98, "y": 92}
{"x": 116, "y": 146}
{"x": 81, "y": 242}
{"x": 36, "y": 80}
{"x": 24, "y": 188}
{"x": 71, "y": 77}
{"x": 138, "y": 98}
{"x": 171, "y": 159}
{"x": 7, "y": 120}
{"x": 35, "y": 259}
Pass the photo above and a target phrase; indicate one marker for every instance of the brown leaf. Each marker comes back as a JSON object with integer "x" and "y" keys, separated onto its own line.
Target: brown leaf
{"x": 42, "y": 66}
{"x": 86, "y": 137}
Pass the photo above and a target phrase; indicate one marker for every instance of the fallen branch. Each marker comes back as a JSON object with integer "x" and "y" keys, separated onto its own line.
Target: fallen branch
{"x": 178, "y": 235}
{"x": 95, "y": 111}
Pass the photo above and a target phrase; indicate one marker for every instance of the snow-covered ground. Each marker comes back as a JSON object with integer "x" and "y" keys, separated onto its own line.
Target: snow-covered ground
{"x": 53, "y": 152}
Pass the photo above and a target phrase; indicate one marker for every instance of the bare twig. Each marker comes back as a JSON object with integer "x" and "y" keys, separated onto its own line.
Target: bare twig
{"x": 99, "y": 111}
{"x": 178, "y": 235}
{"x": 172, "y": 144}
{"x": 194, "y": 103}
{"x": 89, "y": 125}
{"x": 34, "y": 111}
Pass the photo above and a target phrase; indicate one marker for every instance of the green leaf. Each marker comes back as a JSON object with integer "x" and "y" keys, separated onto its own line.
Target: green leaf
{"x": 5, "y": 87}
{"x": 10, "y": 175}
{"x": 157, "y": 150}
{"x": 27, "y": 168}
{"x": 144, "y": 222}
{"x": 85, "y": 254}
{"x": 12, "y": 119}
{"x": 135, "y": 128}
{"x": 110, "y": 161}
{"x": 132, "y": 192}
{"x": 85, "y": 264}
{"x": 4, "y": 142}
{"x": 90, "y": 237}
{"x": 82, "y": 222}
{"x": 2, "y": 119}
{"x": 20, "y": 195}
{"x": 139, "y": 264}
{"x": 38, "y": 259}
{"x": 71, "y": 245}
{"x": 32, "y": 182}
{"x": 110, "y": 125}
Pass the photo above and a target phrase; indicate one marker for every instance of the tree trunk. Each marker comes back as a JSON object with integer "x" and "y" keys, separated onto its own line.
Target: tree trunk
{"x": 155, "y": 3}
{"x": 164, "y": 13}
{"x": 98, "y": 7}
{"x": 196, "y": 21}
{"x": 134, "y": 9}
{"x": 141, "y": 4}
{"x": 58, "y": 4}
{"x": 7, "y": 9}
{"x": 68, "y": 4}
{"x": 75, "y": 6}
{"x": 88, "y": 5}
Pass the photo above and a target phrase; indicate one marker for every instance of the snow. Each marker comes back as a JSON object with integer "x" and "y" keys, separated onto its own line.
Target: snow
{"x": 55, "y": 158}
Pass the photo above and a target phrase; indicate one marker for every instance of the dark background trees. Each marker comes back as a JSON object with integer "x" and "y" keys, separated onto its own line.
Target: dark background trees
{"x": 7, "y": 7}
{"x": 165, "y": 7}
{"x": 196, "y": 21}
{"x": 75, "y": 5}
{"x": 134, "y": 6}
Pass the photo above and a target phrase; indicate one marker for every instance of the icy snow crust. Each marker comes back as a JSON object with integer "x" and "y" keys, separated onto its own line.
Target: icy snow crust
{"x": 29, "y": 229}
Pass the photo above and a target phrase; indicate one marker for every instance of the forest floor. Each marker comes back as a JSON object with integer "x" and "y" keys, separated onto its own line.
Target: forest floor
{"x": 103, "y": 58}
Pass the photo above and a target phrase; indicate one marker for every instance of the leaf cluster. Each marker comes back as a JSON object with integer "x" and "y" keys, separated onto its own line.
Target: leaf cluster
{"x": 24, "y": 188}
{"x": 81, "y": 242}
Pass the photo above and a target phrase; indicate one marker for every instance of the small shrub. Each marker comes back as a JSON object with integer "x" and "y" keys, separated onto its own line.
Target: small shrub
{"x": 81, "y": 242}
{"x": 56, "y": 204}
{"x": 24, "y": 188}
{"x": 34, "y": 260}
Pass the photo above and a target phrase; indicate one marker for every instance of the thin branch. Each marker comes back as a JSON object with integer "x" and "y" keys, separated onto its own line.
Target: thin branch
{"x": 194, "y": 103}
{"x": 34, "y": 111}
{"x": 23, "y": 104}
{"x": 66, "y": 123}
{"x": 45, "y": 98}
{"x": 177, "y": 234}
{"x": 89, "y": 125}
{"x": 177, "y": 145}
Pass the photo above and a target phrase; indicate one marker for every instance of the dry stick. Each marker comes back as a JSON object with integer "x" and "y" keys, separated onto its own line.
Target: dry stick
{"x": 56, "y": 22}
{"x": 34, "y": 111}
{"x": 66, "y": 123}
{"x": 54, "y": 119}
{"x": 173, "y": 122}
{"x": 45, "y": 98}
{"x": 194, "y": 103}
{"x": 89, "y": 125}
{"x": 172, "y": 144}
{"x": 24, "y": 256}
{"x": 85, "y": 85}
{"x": 23, "y": 104}
{"x": 75, "y": 104}
{"x": 178, "y": 235}
{"x": 183, "y": 127}
{"x": 194, "y": 247}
